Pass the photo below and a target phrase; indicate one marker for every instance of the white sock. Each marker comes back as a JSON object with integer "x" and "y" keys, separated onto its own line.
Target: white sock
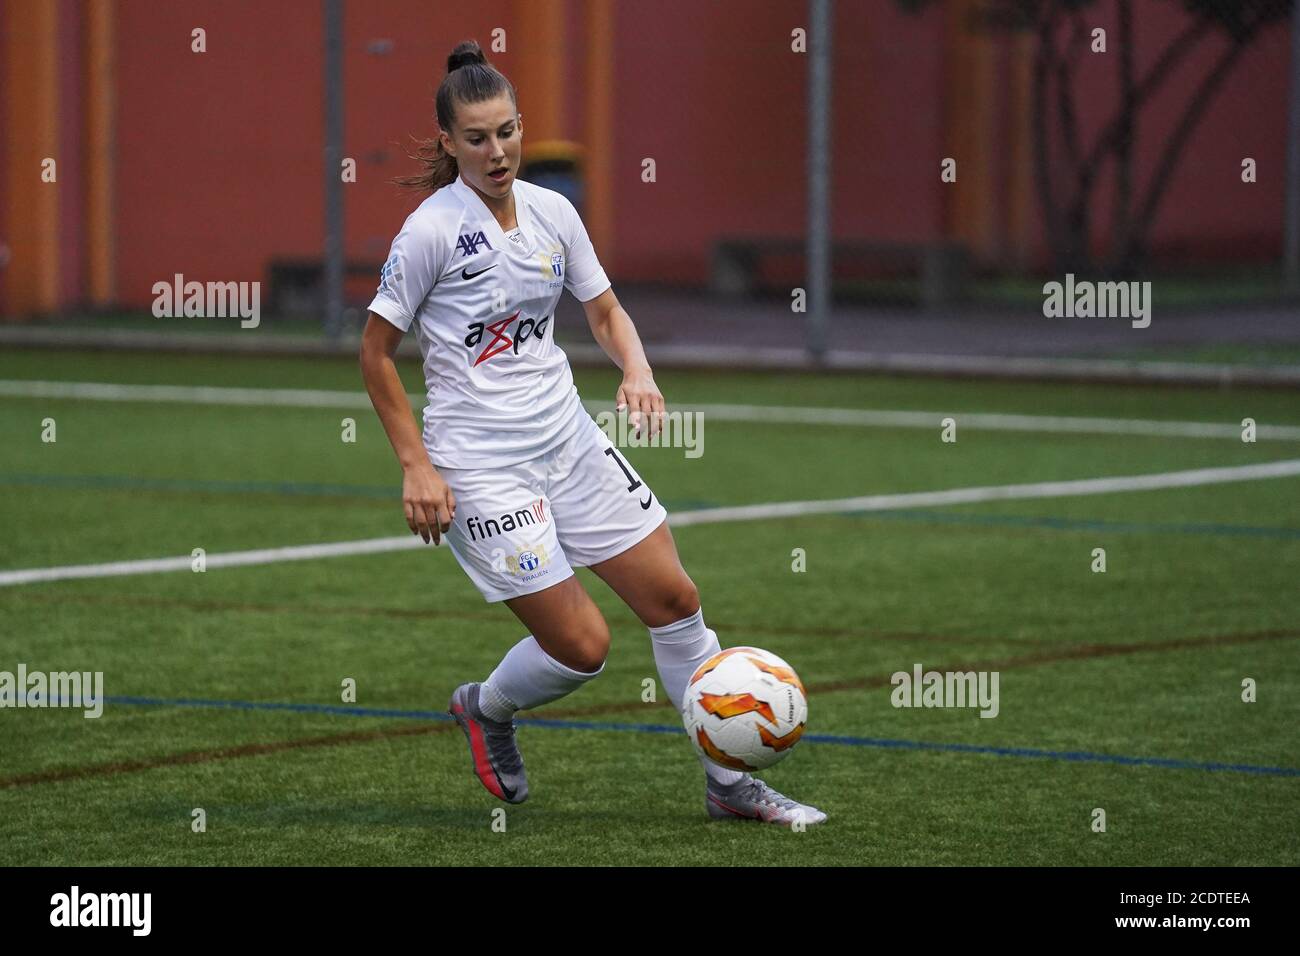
{"x": 679, "y": 649}
{"x": 527, "y": 677}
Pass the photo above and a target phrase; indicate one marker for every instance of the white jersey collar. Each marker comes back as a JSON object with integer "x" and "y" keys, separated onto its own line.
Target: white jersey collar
{"x": 475, "y": 202}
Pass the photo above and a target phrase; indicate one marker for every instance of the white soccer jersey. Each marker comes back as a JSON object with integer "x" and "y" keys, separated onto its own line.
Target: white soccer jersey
{"x": 500, "y": 389}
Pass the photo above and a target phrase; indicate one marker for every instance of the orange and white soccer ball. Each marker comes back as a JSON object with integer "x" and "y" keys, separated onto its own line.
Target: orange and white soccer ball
{"x": 745, "y": 708}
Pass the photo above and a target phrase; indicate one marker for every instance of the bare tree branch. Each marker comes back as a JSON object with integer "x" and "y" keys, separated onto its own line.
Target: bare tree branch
{"x": 1077, "y": 207}
{"x": 1150, "y": 84}
{"x": 1173, "y": 150}
{"x": 1065, "y": 91}
{"x": 1126, "y": 133}
{"x": 1043, "y": 57}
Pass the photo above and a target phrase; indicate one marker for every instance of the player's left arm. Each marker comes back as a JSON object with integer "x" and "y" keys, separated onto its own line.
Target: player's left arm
{"x": 613, "y": 329}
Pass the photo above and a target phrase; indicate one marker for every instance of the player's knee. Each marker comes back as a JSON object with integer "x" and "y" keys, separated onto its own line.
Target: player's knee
{"x": 681, "y": 601}
{"x": 589, "y": 656}
{"x": 590, "y": 646}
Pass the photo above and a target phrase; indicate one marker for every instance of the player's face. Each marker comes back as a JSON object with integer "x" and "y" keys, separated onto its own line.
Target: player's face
{"x": 486, "y": 144}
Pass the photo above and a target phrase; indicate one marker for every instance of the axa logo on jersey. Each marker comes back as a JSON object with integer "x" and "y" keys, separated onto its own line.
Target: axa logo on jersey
{"x": 468, "y": 244}
{"x": 502, "y": 341}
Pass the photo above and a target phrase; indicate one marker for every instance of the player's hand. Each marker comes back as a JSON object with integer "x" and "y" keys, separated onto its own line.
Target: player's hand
{"x": 641, "y": 397}
{"x": 429, "y": 502}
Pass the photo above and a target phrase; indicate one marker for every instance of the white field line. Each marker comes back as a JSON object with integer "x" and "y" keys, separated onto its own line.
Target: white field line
{"x": 184, "y": 394}
{"x": 957, "y": 496}
{"x": 880, "y": 418}
{"x": 233, "y": 559}
{"x": 787, "y": 509}
{"x": 767, "y": 414}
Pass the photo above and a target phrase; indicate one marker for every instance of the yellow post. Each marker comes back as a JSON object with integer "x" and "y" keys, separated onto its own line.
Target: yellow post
{"x": 30, "y": 37}
{"x": 538, "y": 43}
{"x": 100, "y": 150}
{"x": 970, "y": 134}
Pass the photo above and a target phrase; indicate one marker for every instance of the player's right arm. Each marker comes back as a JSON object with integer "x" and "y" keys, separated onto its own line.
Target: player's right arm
{"x": 429, "y": 503}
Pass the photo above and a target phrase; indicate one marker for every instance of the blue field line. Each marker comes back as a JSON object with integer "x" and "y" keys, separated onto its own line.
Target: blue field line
{"x": 1076, "y": 755}
{"x": 1082, "y": 524}
{"x": 1028, "y": 752}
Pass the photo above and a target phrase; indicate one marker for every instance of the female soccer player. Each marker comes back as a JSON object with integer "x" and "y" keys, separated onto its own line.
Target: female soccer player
{"x": 510, "y": 466}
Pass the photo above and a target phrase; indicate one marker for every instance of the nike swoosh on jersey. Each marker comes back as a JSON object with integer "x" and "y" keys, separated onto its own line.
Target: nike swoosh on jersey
{"x": 645, "y": 505}
{"x": 466, "y": 274}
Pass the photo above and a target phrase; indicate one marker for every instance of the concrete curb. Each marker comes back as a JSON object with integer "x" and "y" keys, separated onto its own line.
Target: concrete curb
{"x": 1129, "y": 372}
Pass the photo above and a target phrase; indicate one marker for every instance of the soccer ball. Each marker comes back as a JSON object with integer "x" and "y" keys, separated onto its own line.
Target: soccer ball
{"x": 745, "y": 708}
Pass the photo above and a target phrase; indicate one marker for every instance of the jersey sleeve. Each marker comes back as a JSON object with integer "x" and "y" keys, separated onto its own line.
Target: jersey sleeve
{"x": 415, "y": 260}
{"x": 583, "y": 275}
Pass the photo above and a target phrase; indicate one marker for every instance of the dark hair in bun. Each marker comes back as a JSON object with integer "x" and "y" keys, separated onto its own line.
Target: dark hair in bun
{"x": 466, "y": 52}
{"x": 470, "y": 79}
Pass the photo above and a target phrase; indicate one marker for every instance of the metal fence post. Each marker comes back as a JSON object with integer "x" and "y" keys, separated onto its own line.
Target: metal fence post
{"x": 1291, "y": 255}
{"x": 820, "y": 42}
{"x": 333, "y": 272}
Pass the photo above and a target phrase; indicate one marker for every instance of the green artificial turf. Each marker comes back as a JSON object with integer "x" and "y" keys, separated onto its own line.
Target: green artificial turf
{"x": 1102, "y": 676}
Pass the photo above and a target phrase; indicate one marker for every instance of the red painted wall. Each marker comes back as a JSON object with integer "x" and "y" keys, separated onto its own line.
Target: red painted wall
{"x": 71, "y": 170}
{"x": 389, "y": 98}
{"x": 720, "y": 102}
{"x": 6, "y": 239}
{"x": 219, "y": 165}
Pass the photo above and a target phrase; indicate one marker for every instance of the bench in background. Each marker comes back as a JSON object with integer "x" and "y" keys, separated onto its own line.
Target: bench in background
{"x": 940, "y": 266}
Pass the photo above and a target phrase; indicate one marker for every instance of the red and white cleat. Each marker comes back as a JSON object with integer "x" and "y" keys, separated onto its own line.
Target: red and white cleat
{"x": 497, "y": 761}
{"x": 752, "y": 799}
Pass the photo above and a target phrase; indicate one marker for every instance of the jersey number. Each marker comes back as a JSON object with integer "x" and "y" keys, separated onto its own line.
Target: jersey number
{"x": 633, "y": 483}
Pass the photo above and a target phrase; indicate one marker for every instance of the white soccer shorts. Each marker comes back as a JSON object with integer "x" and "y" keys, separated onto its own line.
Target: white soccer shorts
{"x": 522, "y": 528}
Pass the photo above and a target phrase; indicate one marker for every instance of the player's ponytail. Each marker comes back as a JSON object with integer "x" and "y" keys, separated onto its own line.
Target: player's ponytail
{"x": 470, "y": 79}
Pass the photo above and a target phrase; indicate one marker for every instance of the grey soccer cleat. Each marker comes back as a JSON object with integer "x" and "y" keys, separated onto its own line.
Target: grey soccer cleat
{"x": 497, "y": 761}
{"x": 752, "y": 799}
